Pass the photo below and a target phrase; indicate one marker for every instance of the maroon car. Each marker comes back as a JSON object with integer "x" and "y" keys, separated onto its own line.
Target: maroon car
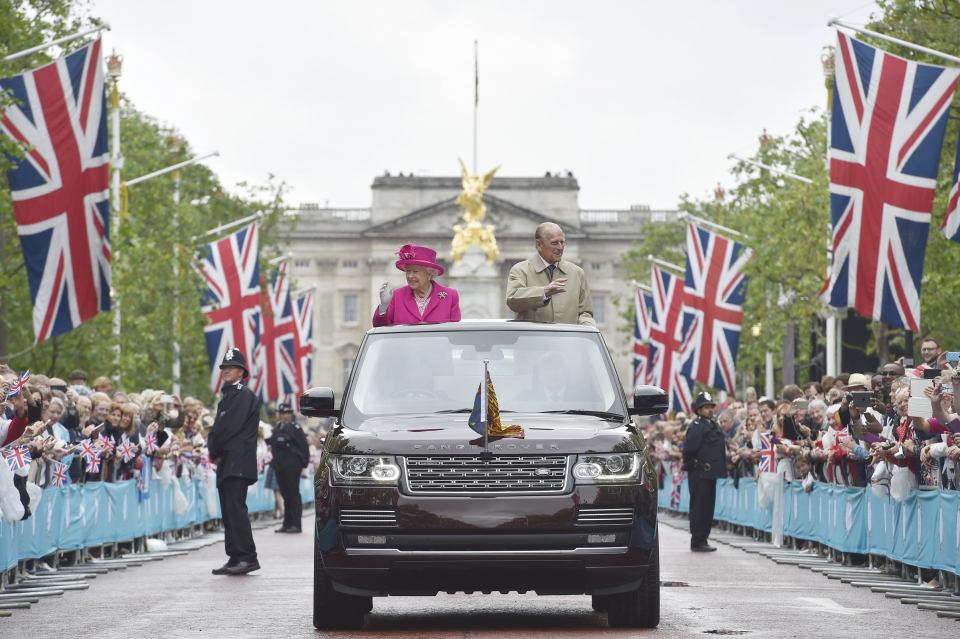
{"x": 410, "y": 500}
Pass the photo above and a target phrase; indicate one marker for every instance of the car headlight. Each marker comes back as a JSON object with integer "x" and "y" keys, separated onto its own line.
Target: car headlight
{"x": 365, "y": 469}
{"x": 608, "y": 468}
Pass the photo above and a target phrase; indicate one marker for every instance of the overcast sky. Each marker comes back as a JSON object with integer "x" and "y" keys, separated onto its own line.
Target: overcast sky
{"x": 642, "y": 100}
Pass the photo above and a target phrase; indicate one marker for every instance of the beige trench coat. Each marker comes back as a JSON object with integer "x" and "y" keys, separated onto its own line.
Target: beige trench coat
{"x": 525, "y": 286}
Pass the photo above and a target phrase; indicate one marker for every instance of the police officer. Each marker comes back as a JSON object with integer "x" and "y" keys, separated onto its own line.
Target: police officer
{"x": 705, "y": 460}
{"x": 291, "y": 453}
{"x": 233, "y": 447}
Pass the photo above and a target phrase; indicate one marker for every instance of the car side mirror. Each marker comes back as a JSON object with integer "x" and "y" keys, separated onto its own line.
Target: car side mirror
{"x": 318, "y": 402}
{"x": 649, "y": 400}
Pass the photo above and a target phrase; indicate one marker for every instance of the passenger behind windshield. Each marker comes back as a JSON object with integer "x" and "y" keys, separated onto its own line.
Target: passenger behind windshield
{"x": 431, "y": 372}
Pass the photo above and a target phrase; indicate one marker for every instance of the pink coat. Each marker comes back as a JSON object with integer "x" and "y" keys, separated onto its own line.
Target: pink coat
{"x": 444, "y": 306}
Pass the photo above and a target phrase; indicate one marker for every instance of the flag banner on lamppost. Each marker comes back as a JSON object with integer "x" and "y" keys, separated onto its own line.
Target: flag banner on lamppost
{"x": 642, "y": 303}
{"x": 666, "y": 338}
{"x": 713, "y": 294}
{"x": 231, "y": 299}
{"x": 60, "y": 188}
{"x": 887, "y": 128}
{"x": 303, "y": 315}
{"x": 275, "y": 370}
{"x": 951, "y": 220}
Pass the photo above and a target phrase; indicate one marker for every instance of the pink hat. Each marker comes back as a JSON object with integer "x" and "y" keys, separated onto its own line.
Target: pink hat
{"x": 412, "y": 255}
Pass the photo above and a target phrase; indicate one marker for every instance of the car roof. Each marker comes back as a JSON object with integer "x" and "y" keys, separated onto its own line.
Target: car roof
{"x": 485, "y": 325}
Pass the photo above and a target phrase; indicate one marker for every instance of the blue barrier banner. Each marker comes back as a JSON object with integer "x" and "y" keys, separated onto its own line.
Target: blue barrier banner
{"x": 78, "y": 516}
{"x": 923, "y": 530}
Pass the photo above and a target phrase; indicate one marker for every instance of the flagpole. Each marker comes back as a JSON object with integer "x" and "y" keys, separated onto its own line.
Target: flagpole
{"x": 114, "y": 68}
{"x": 828, "y": 61}
{"x": 476, "y": 100}
{"x": 665, "y": 264}
{"x": 836, "y": 22}
{"x": 53, "y": 43}
{"x": 228, "y": 225}
{"x": 717, "y": 227}
{"x": 484, "y": 416}
{"x": 171, "y": 168}
{"x": 772, "y": 169}
{"x": 641, "y": 286}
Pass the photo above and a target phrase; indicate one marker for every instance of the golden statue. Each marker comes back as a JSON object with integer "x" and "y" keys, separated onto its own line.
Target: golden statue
{"x": 474, "y": 210}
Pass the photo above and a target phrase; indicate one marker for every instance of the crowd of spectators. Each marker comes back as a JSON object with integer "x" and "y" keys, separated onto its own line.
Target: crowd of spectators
{"x": 54, "y": 433}
{"x": 895, "y": 430}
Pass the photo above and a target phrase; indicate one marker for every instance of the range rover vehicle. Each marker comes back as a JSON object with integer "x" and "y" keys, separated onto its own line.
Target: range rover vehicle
{"x": 411, "y": 501}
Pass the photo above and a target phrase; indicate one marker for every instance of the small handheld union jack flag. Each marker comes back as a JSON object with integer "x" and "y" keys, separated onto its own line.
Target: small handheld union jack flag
{"x": 59, "y": 477}
{"x": 88, "y": 451}
{"x": 127, "y": 450}
{"x": 93, "y": 465}
{"x": 17, "y": 386}
{"x": 768, "y": 455}
{"x": 17, "y": 457}
{"x": 106, "y": 445}
{"x": 150, "y": 444}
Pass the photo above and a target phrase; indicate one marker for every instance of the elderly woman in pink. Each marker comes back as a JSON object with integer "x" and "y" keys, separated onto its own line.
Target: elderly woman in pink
{"x": 422, "y": 300}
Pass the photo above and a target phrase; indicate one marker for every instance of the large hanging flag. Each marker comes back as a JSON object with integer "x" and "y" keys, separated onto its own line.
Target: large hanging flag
{"x": 713, "y": 295}
{"x": 60, "y": 188}
{"x": 666, "y": 339}
{"x": 274, "y": 362}
{"x": 643, "y": 302}
{"x": 951, "y": 221}
{"x": 231, "y": 300}
{"x": 303, "y": 315}
{"x": 889, "y": 119}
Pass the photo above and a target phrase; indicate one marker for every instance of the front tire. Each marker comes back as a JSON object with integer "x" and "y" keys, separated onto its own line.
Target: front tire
{"x": 333, "y": 610}
{"x": 638, "y": 608}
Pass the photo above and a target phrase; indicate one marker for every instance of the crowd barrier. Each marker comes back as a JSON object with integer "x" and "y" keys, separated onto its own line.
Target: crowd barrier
{"x": 79, "y": 516}
{"x": 923, "y": 530}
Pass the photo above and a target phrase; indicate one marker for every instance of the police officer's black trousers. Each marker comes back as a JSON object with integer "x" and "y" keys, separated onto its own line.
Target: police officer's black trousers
{"x": 238, "y": 538}
{"x": 288, "y": 479}
{"x": 703, "y": 497}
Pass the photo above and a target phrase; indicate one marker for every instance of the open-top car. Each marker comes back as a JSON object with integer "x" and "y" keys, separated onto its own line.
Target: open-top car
{"x": 410, "y": 500}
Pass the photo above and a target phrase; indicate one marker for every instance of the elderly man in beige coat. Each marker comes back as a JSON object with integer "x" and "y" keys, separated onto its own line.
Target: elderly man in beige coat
{"x": 547, "y": 288}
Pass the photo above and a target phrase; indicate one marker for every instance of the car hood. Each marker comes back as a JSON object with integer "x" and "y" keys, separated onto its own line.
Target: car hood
{"x": 427, "y": 434}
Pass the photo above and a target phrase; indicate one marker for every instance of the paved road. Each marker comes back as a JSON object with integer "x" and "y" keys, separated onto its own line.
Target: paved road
{"x": 729, "y": 592}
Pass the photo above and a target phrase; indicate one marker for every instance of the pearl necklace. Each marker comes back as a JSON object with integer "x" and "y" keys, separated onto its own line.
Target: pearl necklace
{"x": 422, "y": 300}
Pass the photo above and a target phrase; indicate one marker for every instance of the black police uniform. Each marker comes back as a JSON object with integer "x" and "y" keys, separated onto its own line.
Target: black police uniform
{"x": 233, "y": 445}
{"x": 291, "y": 453}
{"x": 705, "y": 460}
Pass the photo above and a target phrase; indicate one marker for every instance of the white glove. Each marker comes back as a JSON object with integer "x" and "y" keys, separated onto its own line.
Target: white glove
{"x": 386, "y": 294}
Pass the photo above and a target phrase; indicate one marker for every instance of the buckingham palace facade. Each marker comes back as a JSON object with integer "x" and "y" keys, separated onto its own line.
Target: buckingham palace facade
{"x": 345, "y": 254}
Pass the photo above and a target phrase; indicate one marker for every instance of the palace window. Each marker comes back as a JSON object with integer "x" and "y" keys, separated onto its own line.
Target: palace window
{"x": 599, "y": 309}
{"x": 351, "y": 304}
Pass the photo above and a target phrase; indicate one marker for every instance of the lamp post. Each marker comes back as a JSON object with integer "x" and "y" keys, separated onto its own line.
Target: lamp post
{"x": 832, "y": 364}
{"x": 176, "y": 144}
{"x": 114, "y": 68}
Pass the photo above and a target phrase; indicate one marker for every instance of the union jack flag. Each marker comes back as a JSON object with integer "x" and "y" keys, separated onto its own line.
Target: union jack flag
{"x": 106, "y": 445}
{"x": 303, "y": 312}
{"x": 17, "y": 457}
{"x": 666, "y": 339}
{"x": 643, "y": 301}
{"x": 93, "y": 465}
{"x": 127, "y": 450}
{"x": 59, "y": 476}
{"x": 231, "y": 300}
{"x": 889, "y": 119}
{"x": 60, "y": 188}
{"x": 150, "y": 443}
{"x": 275, "y": 364}
{"x": 88, "y": 451}
{"x": 951, "y": 221}
{"x": 713, "y": 296}
{"x": 18, "y": 384}
{"x": 768, "y": 455}
{"x": 676, "y": 482}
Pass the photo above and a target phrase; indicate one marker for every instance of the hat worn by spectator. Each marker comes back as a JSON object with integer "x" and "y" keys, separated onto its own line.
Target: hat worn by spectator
{"x": 234, "y": 357}
{"x": 703, "y": 399}
{"x": 284, "y": 407}
{"x": 412, "y": 255}
{"x": 858, "y": 381}
{"x": 77, "y": 375}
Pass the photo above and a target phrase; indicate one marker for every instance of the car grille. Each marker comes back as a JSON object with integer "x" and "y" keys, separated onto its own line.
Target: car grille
{"x": 367, "y": 518}
{"x": 470, "y": 474}
{"x": 601, "y": 516}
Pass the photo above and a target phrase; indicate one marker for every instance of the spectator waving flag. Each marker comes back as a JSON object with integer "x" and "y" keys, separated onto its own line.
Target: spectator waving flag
{"x": 17, "y": 457}
{"x": 666, "y": 339}
{"x": 303, "y": 314}
{"x": 60, "y": 188}
{"x": 60, "y": 476}
{"x": 951, "y": 220}
{"x": 231, "y": 300}
{"x": 889, "y": 119}
{"x": 643, "y": 301}
{"x": 274, "y": 364}
{"x": 713, "y": 296}
{"x": 150, "y": 444}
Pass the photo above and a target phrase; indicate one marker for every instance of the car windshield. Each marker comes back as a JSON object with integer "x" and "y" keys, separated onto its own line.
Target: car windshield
{"x": 434, "y": 371}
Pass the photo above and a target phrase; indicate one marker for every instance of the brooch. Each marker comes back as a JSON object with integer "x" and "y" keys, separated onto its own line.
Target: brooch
{"x": 442, "y": 295}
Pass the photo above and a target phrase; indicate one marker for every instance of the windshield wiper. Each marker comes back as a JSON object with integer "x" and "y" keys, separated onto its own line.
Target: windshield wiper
{"x": 596, "y": 413}
{"x": 463, "y": 410}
